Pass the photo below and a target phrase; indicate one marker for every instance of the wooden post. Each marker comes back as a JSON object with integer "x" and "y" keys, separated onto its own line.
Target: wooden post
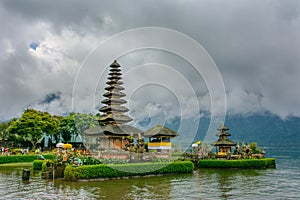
{"x": 25, "y": 174}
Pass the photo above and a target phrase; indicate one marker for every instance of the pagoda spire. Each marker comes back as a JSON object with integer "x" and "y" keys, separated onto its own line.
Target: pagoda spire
{"x": 113, "y": 111}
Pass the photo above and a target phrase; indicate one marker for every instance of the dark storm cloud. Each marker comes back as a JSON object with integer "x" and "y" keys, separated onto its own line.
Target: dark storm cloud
{"x": 51, "y": 97}
{"x": 255, "y": 44}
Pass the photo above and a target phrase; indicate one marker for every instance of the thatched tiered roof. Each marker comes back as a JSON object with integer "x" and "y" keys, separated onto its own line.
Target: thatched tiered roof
{"x": 224, "y": 142}
{"x": 113, "y": 130}
{"x": 223, "y": 134}
{"x": 160, "y": 131}
{"x": 113, "y": 111}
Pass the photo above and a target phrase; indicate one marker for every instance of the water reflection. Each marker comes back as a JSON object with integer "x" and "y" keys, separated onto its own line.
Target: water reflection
{"x": 158, "y": 187}
{"x": 230, "y": 182}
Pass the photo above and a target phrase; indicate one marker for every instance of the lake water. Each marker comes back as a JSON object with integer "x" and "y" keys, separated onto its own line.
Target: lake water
{"x": 280, "y": 183}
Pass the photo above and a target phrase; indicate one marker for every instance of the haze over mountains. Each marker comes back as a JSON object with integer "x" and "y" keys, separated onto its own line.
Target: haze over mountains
{"x": 265, "y": 129}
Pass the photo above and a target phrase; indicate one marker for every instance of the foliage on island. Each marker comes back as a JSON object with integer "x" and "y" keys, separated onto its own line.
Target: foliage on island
{"x": 37, "y": 164}
{"x": 241, "y": 163}
{"x": 254, "y": 148}
{"x": 24, "y": 158}
{"x": 126, "y": 170}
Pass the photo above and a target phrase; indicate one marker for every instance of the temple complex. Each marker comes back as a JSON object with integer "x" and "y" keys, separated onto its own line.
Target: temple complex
{"x": 223, "y": 144}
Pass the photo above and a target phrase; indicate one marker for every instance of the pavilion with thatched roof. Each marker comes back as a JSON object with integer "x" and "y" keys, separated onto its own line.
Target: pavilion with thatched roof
{"x": 223, "y": 144}
{"x": 159, "y": 138}
{"x": 113, "y": 120}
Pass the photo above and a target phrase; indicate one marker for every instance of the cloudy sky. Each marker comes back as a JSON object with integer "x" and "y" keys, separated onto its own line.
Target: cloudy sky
{"x": 45, "y": 48}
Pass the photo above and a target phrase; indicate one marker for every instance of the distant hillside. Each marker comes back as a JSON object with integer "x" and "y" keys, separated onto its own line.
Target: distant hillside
{"x": 266, "y": 130}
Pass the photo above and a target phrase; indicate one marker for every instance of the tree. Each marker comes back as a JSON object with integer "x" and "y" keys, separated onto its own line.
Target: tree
{"x": 51, "y": 127}
{"x": 56, "y": 135}
{"x": 75, "y": 124}
{"x": 4, "y": 135}
{"x": 253, "y": 147}
{"x": 83, "y": 122}
{"x": 67, "y": 127}
{"x": 32, "y": 125}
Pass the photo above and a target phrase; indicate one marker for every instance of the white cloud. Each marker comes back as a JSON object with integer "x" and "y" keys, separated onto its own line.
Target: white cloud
{"x": 242, "y": 102}
{"x": 255, "y": 44}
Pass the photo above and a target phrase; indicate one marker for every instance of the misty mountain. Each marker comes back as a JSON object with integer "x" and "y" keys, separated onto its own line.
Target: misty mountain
{"x": 265, "y": 129}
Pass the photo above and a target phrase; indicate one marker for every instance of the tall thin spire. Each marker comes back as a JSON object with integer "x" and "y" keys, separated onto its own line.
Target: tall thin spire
{"x": 113, "y": 111}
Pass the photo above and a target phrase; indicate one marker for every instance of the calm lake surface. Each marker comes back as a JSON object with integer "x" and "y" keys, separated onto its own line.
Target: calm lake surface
{"x": 280, "y": 183}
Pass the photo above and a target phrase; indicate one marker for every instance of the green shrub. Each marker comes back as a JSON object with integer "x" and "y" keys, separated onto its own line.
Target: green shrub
{"x": 46, "y": 164}
{"x": 156, "y": 160}
{"x": 49, "y": 156}
{"x": 16, "y": 151}
{"x": 254, "y": 148}
{"x": 177, "y": 154}
{"x": 121, "y": 170}
{"x": 22, "y": 158}
{"x": 113, "y": 161}
{"x": 15, "y": 159}
{"x": 242, "y": 164}
{"x": 37, "y": 164}
{"x": 87, "y": 160}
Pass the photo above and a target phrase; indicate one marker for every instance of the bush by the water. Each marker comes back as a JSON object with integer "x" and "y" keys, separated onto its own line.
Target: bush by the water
{"x": 42, "y": 164}
{"x": 87, "y": 160}
{"x": 113, "y": 161}
{"x": 23, "y": 158}
{"x": 124, "y": 170}
{"x": 37, "y": 164}
{"x": 242, "y": 164}
{"x": 161, "y": 160}
{"x": 47, "y": 163}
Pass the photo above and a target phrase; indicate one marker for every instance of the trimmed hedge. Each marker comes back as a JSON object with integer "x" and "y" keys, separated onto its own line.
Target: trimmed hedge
{"x": 37, "y": 164}
{"x": 49, "y": 156}
{"x": 24, "y": 158}
{"x": 242, "y": 164}
{"x": 125, "y": 170}
{"x": 46, "y": 164}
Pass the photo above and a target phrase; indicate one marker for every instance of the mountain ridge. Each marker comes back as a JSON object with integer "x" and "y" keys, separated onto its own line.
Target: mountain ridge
{"x": 264, "y": 129}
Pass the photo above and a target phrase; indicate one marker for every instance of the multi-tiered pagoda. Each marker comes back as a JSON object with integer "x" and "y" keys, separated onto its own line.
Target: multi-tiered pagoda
{"x": 113, "y": 112}
{"x": 113, "y": 120}
{"x": 223, "y": 144}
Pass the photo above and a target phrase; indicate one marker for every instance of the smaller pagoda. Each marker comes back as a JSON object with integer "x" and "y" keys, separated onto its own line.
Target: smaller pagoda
{"x": 159, "y": 138}
{"x": 223, "y": 144}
